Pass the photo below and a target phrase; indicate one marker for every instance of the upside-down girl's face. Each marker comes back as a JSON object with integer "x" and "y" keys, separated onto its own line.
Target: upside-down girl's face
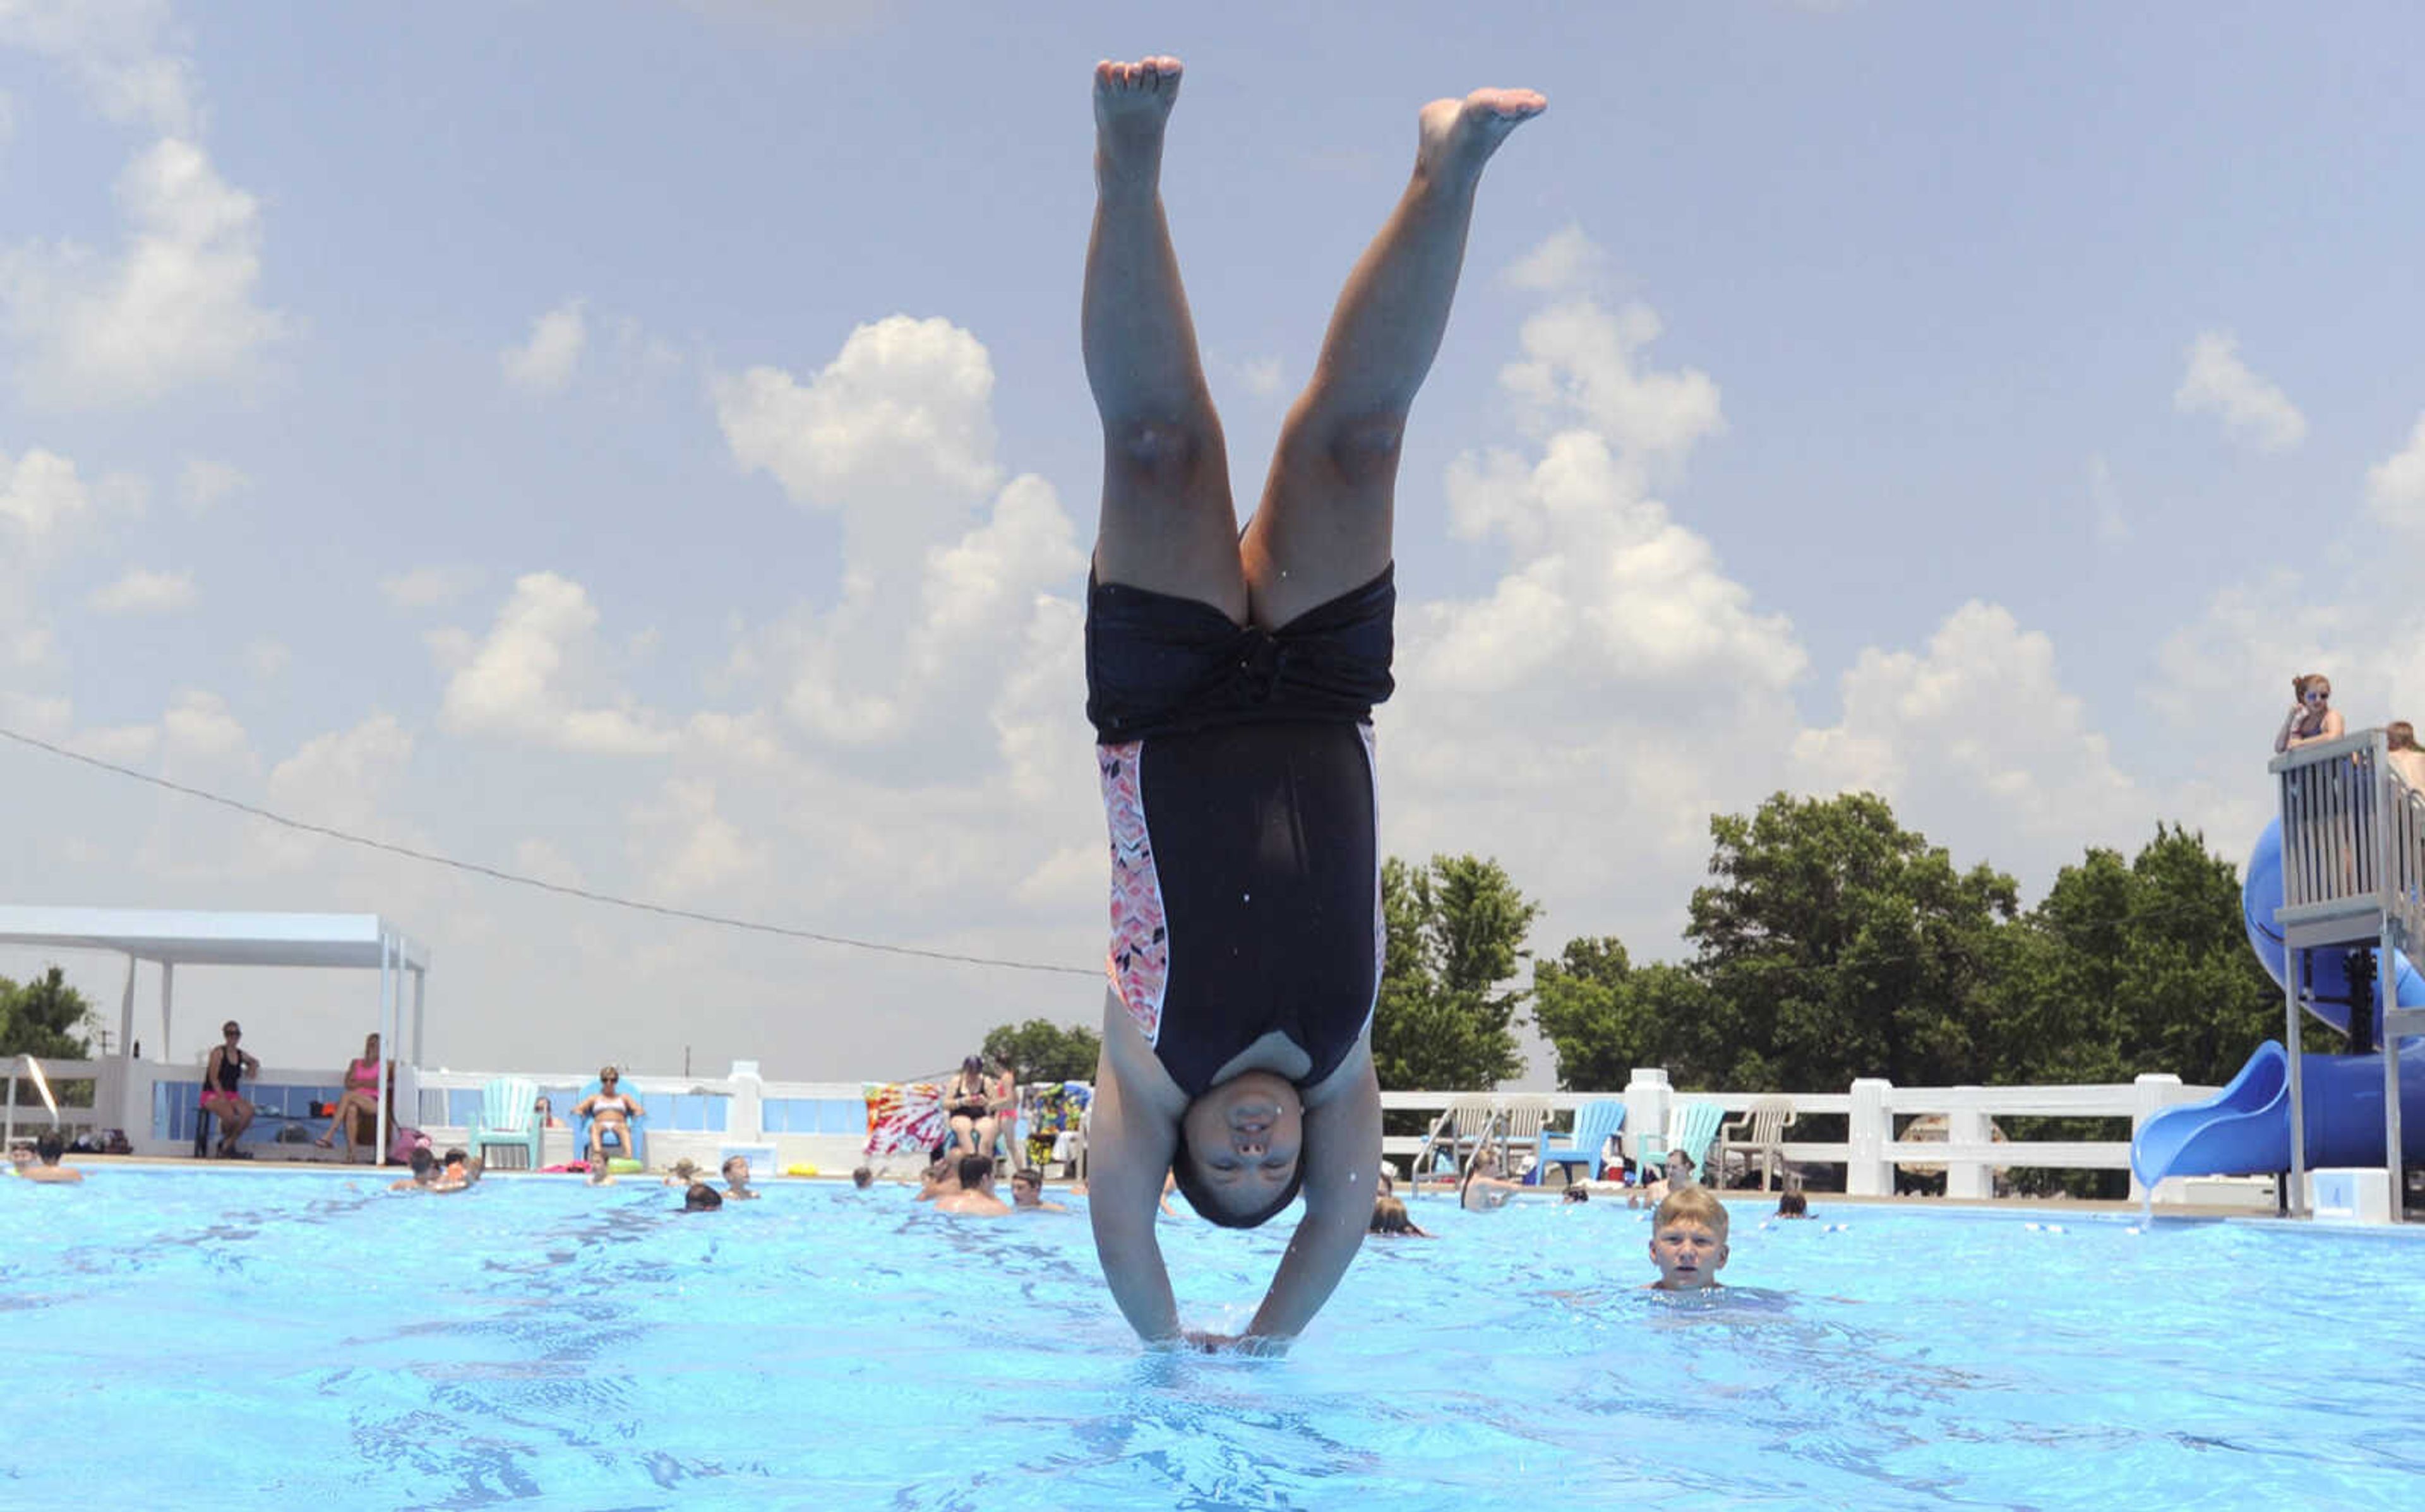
{"x": 1245, "y": 1136}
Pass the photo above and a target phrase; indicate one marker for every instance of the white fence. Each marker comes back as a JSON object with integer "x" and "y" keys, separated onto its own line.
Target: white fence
{"x": 746, "y": 1107}
{"x": 741, "y": 1101}
{"x": 1871, "y": 1152}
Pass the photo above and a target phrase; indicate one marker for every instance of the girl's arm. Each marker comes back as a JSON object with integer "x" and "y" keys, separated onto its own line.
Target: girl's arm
{"x": 1129, "y": 1151}
{"x": 1342, "y": 1150}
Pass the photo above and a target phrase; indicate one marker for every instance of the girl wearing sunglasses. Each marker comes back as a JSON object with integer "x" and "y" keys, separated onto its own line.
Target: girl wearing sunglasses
{"x": 2312, "y": 717}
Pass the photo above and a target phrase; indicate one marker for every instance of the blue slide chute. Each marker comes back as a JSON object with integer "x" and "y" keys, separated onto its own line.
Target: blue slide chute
{"x": 2244, "y": 1130}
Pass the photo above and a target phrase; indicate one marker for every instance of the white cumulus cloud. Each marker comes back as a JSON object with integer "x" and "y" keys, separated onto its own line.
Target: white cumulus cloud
{"x": 121, "y": 51}
{"x": 142, "y": 591}
{"x": 2218, "y": 383}
{"x": 537, "y": 677}
{"x": 1582, "y": 363}
{"x": 1262, "y": 376}
{"x": 1975, "y": 737}
{"x": 1567, "y": 261}
{"x": 544, "y": 363}
{"x": 39, "y": 491}
{"x": 897, "y": 434}
{"x": 203, "y": 483}
{"x": 178, "y": 307}
{"x": 339, "y": 779}
{"x": 689, "y": 848}
{"x": 2396, "y": 486}
{"x": 200, "y": 723}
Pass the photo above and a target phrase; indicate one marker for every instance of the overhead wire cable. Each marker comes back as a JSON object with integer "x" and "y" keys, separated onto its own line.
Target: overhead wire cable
{"x": 499, "y": 874}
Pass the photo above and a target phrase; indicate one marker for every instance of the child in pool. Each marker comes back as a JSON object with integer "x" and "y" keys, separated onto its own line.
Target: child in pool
{"x": 1390, "y": 1218}
{"x": 1688, "y": 1241}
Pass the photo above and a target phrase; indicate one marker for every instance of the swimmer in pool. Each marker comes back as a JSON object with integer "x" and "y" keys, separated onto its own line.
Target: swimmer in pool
{"x": 50, "y": 1148}
{"x": 1688, "y": 1241}
{"x": 1230, "y": 680}
{"x": 1484, "y": 1189}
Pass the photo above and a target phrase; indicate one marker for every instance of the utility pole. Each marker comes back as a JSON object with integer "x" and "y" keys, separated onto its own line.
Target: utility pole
{"x": 685, "y": 1061}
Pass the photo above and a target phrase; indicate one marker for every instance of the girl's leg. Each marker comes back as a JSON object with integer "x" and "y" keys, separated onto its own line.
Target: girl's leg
{"x": 1168, "y": 521}
{"x": 1324, "y": 524}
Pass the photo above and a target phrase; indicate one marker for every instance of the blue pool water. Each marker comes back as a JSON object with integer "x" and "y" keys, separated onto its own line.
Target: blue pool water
{"x": 305, "y": 1339}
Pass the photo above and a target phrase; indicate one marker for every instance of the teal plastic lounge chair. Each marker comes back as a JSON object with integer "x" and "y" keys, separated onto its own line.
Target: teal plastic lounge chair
{"x": 1593, "y": 1123}
{"x": 1692, "y": 1126}
{"x": 635, "y": 1136}
{"x": 508, "y": 1120}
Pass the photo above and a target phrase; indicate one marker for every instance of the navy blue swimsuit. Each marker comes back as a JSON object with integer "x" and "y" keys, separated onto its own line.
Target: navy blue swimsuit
{"x": 1238, "y": 785}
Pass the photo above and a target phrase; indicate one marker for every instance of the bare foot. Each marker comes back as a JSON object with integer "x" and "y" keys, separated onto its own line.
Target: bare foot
{"x": 1456, "y": 136}
{"x": 1133, "y": 104}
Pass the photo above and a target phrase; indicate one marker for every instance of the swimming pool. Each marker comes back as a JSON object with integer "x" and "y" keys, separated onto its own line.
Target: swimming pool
{"x": 304, "y": 1336}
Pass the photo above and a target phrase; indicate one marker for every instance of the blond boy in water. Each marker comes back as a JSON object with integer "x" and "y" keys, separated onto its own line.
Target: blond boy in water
{"x": 1688, "y": 1241}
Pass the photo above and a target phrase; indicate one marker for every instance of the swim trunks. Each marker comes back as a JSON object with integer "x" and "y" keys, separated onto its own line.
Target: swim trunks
{"x": 1238, "y": 786}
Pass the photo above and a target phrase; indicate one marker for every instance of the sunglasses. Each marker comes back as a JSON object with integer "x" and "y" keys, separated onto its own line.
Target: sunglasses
{"x": 233, "y": 1034}
{"x": 608, "y": 1081}
{"x": 2318, "y": 698}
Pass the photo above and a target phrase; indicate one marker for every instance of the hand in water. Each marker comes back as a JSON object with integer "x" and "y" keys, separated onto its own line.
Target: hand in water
{"x": 1236, "y": 1343}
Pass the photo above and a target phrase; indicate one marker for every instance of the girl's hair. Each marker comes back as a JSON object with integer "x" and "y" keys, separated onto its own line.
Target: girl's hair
{"x": 2400, "y": 735}
{"x": 2300, "y": 684}
{"x": 1792, "y": 1204}
{"x": 1576, "y": 1194}
{"x": 1390, "y": 1216}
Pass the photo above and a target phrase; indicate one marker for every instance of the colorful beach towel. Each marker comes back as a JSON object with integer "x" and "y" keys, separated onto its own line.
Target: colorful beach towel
{"x": 1050, "y": 1110}
{"x": 1056, "y": 1106}
{"x": 904, "y": 1117}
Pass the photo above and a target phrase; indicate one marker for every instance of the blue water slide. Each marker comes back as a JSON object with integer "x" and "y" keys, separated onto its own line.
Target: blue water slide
{"x": 2244, "y": 1130}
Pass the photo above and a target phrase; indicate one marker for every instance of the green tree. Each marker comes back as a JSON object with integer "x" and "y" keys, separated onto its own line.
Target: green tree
{"x": 1041, "y": 1050}
{"x": 1447, "y": 1014}
{"x": 2136, "y": 967}
{"x": 1603, "y": 1016}
{"x": 1837, "y": 945}
{"x": 45, "y": 1017}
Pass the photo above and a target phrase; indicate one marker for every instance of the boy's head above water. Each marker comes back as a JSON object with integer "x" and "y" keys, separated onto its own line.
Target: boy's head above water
{"x": 1687, "y": 1240}
{"x": 1238, "y": 1159}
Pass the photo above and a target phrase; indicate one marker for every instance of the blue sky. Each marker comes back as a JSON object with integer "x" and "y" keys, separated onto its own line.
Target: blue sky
{"x": 645, "y": 445}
